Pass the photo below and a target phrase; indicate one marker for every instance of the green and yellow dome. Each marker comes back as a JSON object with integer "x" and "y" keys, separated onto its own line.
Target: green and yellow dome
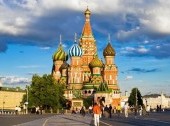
{"x": 60, "y": 54}
{"x": 96, "y": 62}
{"x": 109, "y": 51}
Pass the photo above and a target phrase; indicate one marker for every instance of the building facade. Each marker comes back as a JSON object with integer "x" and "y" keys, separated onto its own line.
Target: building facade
{"x": 85, "y": 72}
{"x": 10, "y": 98}
{"x": 155, "y": 100}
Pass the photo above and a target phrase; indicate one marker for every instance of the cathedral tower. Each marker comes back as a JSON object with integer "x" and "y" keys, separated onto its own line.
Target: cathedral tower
{"x": 58, "y": 58}
{"x": 75, "y": 69}
{"x": 88, "y": 45}
{"x": 110, "y": 69}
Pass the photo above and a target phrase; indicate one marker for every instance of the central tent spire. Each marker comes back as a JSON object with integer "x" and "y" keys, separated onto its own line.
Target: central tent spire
{"x": 87, "y": 32}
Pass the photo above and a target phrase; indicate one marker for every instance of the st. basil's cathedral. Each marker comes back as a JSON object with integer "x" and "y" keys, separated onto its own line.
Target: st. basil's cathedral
{"x": 86, "y": 74}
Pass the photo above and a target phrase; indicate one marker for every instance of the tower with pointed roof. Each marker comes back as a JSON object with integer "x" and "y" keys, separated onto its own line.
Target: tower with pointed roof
{"x": 86, "y": 73}
{"x": 110, "y": 71}
{"x": 75, "y": 69}
{"x": 58, "y": 58}
{"x": 88, "y": 45}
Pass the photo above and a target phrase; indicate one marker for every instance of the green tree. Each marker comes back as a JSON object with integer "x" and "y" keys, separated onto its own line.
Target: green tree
{"x": 45, "y": 92}
{"x": 135, "y": 97}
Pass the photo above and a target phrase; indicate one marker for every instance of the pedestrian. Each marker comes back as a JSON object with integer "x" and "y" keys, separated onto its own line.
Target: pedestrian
{"x": 140, "y": 110}
{"x": 118, "y": 109}
{"x": 82, "y": 111}
{"x": 16, "y": 110}
{"x": 126, "y": 109}
{"x": 90, "y": 109}
{"x": 106, "y": 112}
{"x": 97, "y": 112}
{"x": 135, "y": 111}
{"x": 147, "y": 109}
{"x": 110, "y": 111}
{"x": 160, "y": 108}
{"x": 157, "y": 108}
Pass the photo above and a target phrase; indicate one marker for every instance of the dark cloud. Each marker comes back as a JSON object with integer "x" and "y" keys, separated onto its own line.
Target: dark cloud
{"x": 161, "y": 51}
{"x": 157, "y": 49}
{"x": 141, "y": 70}
{"x": 3, "y": 46}
{"x": 128, "y": 24}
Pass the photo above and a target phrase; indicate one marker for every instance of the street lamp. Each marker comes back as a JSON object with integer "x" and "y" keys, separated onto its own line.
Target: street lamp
{"x": 3, "y": 103}
{"x": 26, "y": 103}
{"x": 136, "y": 97}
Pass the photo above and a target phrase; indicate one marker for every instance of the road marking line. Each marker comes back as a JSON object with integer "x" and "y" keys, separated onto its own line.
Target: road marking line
{"x": 105, "y": 123}
{"x": 45, "y": 122}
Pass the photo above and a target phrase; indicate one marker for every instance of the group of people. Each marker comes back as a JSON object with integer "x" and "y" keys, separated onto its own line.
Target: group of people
{"x": 17, "y": 110}
{"x": 99, "y": 111}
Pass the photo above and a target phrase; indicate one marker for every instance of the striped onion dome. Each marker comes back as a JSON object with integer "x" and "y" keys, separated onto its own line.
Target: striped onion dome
{"x": 109, "y": 51}
{"x": 75, "y": 50}
{"x": 96, "y": 62}
{"x": 60, "y": 54}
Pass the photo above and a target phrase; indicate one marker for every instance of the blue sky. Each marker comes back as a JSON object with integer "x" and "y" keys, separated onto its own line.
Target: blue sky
{"x": 139, "y": 29}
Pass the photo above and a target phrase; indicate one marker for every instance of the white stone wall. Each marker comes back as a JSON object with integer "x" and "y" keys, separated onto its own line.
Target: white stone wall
{"x": 160, "y": 100}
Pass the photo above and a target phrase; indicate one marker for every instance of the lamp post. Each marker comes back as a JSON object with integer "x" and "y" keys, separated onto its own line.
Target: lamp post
{"x": 136, "y": 98}
{"x": 3, "y": 104}
{"x": 26, "y": 103}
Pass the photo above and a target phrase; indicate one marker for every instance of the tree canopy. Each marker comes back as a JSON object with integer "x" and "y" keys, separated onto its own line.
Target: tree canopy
{"x": 135, "y": 97}
{"x": 45, "y": 92}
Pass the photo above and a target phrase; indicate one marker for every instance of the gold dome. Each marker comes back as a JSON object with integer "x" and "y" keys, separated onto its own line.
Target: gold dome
{"x": 87, "y": 11}
{"x": 96, "y": 63}
{"x": 60, "y": 54}
{"x": 109, "y": 51}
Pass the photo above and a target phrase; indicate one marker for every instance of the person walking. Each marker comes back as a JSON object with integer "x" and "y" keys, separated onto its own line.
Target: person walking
{"x": 140, "y": 110}
{"x": 82, "y": 111}
{"x": 118, "y": 110}
{"x": 147, "y": 109}
{"x": 110, "y": 111}
{"x": 126, "y": 109}
{"x": 96, "y": 112}
{"x": 90, "y": 109}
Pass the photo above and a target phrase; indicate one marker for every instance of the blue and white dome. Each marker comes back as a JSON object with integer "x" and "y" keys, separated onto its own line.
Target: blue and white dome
{"x": 75, "y": 50}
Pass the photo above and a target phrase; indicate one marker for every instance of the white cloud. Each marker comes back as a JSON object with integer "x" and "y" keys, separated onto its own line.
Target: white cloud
{"x": 13, "y": 80}
{"x": 29, "y": 66}
{"x": 142, "y": 49}
{"x": 45, "y": 48}
{"x": 0, "y": 83}
{"x": 19, "y": 16}
{"x": 133, "y": 50}
{"x": 129, "y": 77}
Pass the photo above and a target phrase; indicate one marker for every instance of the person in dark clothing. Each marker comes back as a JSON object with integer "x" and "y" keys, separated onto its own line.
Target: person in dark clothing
{"x": 110, "y": 111}
{"x": 157, "y": 108}
{"x": 82, "y": 111}
{"x": 160, "y": 108}
{"x": 106, "y": 111}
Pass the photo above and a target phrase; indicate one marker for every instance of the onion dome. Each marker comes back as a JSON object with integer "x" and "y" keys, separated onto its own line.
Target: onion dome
{"x": 65, "y": 65}
{"x": 75, "y": 50}
{"x": 60, "y": 54}
{"x": 109, "y": 51}
{"x": 96, "y": 63}
{"x": 87, "y": 11}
